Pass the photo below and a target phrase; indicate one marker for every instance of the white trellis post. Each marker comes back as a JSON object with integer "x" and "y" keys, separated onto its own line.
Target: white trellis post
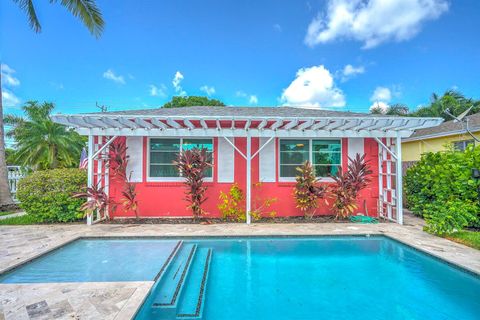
{"x": 399, "y": 181}
{"x": 249, "y": 177}
{"x": 90, "y": 171}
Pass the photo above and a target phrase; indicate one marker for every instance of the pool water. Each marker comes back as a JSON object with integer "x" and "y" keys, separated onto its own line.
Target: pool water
{"x": 271, "y": 278}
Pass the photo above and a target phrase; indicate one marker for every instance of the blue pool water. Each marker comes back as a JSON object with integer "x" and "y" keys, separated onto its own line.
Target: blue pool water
{"x": 271, "y": 278}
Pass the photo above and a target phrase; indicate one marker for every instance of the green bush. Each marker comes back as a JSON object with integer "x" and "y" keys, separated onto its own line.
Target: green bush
{"x": 47, "y": 195}
{"x": 441, "y": 189}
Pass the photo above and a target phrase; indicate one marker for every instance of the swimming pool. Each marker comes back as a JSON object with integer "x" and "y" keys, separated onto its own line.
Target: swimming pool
{"x": 272, "y": 278}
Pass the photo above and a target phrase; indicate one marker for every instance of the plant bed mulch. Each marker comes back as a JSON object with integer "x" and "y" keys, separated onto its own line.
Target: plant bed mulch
{"x": 316, "y": 219}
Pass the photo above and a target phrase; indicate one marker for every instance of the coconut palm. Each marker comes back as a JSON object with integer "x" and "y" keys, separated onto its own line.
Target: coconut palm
{"x": 90, "y": 15}
{"x": 42, "y": 143}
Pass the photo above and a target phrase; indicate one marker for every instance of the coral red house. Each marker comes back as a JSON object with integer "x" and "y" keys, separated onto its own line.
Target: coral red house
{"x": 247, "y": 145}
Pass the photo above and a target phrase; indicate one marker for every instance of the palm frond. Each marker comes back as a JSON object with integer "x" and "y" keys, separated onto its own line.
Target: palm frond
{"x": 87, "y": 11}
{"x": 28, "y": 7}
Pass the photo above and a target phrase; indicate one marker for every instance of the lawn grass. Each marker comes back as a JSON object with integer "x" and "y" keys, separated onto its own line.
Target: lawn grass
{"x": 20, "y": 220}
{"x": 4, "y": 213}
{"x": 468, "y": 238}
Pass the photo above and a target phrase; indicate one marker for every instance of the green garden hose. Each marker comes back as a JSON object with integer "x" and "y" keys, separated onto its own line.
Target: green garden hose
{"x": 363, "y": 219}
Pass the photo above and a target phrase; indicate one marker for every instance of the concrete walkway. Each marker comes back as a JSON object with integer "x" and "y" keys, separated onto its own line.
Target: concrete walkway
{"x": 19, "y": 244}
{"x": 16, "y": 214}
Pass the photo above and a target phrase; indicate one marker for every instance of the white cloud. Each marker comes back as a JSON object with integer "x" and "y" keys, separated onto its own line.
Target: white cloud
{"x": 372, "y": 21}
{"x": 380, "y": 105}
{"x": 350, "y": 71}
{"x": 277, "y": 27}
{"x": 110, "y": 75}
{"x": 251, "y": 98}
{"x": 8, "y": 79}
{"x": 313, "y": 87}
{"x": 381, "y": 98}
{"x": 158, "y": 91}
{"x": 9, "y": 99}
{"x": 177, "y": 79}
{"x": 208, "y": 90}
{"x": 381, "y": 94}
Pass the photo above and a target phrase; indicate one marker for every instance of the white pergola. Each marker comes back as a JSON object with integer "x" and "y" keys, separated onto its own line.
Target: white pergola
{"x": 387, "y": 131}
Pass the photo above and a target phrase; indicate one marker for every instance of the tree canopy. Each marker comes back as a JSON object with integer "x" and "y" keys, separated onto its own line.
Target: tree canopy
{"x": 40, "y": 142}
{"x": 455, "y": 101}
{"x": 191, "y": 101}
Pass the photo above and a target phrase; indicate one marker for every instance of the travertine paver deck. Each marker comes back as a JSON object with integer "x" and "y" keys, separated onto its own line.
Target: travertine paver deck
{"x": 19, "y": 244}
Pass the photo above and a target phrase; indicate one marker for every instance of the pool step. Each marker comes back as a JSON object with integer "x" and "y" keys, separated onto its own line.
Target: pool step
{"x": 172, "y": 282}
{"x": 193, "y": 295}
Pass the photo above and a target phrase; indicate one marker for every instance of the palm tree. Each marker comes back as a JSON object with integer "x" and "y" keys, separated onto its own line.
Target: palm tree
{"x": 42, "y": 143}
{"x": 90, "y": 15}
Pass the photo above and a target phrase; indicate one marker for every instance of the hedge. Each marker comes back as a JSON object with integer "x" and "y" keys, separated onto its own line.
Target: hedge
{"x": 440, "y": 188}
{"x": 47, "y": 195}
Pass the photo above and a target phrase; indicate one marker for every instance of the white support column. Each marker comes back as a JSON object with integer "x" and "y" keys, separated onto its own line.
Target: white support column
{"x": 90, "y": 170}
{"x": 398, "y": 184}
{"x": 249, "y": 177}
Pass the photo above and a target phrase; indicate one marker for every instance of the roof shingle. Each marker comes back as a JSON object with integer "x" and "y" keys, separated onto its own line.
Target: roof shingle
{"x": 448, "y": 127}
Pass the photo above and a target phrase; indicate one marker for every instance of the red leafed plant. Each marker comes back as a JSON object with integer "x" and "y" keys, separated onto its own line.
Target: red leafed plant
{"x": 348, "y": 185}
{"x": 119, "y": 159}
{"x": 96, "y": 200}
{"x": 307, "y": 191}
{"x": 129, "y": 200}
{"x": 192, "y": 165}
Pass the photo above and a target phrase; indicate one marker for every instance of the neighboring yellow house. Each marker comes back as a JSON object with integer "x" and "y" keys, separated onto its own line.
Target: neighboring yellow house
{"x": 448, "y": 134}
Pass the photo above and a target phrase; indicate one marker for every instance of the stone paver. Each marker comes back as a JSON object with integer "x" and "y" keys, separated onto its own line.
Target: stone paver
{"x": 19, "y": 244}
{"x": 87, "y": 300}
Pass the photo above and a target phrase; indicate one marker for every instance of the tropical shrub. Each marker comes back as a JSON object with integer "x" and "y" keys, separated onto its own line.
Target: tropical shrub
{"x": 192, "y": 165}
{"x": 96, "y": 201}
{"x": 48, "y": 195}
{"x": 348, "y": 184}
{"x": 307, "y": 191}
{"x": 129, "y": 200}
{"x": 260, "y": 205}
{"x": 232, "y": 204}
{"x": 440, "y": 188}
{"x": 118, "y": 159}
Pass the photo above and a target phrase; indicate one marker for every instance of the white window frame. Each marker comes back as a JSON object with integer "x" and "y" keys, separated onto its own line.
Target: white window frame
{"x": 178, "y": 179}
{"x": 310, "y": 157}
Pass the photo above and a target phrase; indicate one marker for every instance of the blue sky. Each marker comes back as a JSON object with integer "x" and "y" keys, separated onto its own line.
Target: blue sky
{"x": 338, "y": 54}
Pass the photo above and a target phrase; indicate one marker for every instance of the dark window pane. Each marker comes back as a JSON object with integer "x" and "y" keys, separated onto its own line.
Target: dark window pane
{"x": 165, "y": 144}
{"x": 189, "y": 144}
{"x": 163, "y": 157}
{"x": 326, "y": 171}
{"x": 163, "y": 170}
{"x": 288, "y": 171}
{"x": 326, "y": 158}
{"x": 293, "y": 157}
{"x": 326, "y": 145}
{"x": 294, "y": 145}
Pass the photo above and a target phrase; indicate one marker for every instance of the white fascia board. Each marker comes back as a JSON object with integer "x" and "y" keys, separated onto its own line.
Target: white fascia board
{"x": 213, "y": 132}
{"x": 440, "y": 135}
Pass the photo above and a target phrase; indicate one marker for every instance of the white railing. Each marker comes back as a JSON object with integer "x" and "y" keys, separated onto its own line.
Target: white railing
{"x": 15, "y": 173}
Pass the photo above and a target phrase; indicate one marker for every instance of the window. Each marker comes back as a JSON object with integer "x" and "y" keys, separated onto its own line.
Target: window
{"x": 462, "y": 145}
{"x": 325, "y": 156}
{"x": 162, "y": 153}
